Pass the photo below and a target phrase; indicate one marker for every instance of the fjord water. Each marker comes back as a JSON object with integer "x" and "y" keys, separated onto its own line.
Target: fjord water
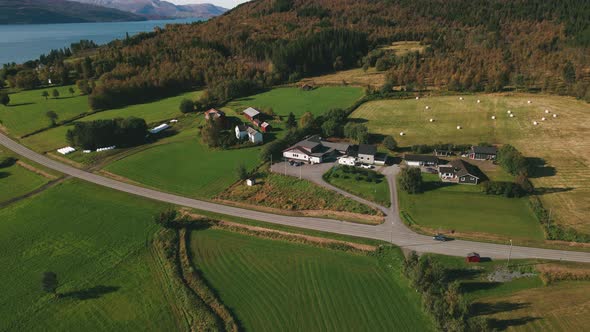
{"x": 20, "y": 43}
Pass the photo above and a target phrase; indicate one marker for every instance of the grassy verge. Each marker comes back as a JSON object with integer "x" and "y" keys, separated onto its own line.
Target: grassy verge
{"x": 293, "y": 286}
{"x": 367, "y": 184}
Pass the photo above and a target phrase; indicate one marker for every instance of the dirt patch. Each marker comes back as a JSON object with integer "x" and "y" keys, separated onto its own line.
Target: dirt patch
{"x": 505, "y": 275}
{"x": 261, "y": 231}
{"x": 36, "y": 170}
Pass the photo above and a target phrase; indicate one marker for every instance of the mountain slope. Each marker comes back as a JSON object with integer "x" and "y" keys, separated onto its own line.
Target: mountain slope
{"x": 156, "y": 9}
{"x": 58, "y": 11}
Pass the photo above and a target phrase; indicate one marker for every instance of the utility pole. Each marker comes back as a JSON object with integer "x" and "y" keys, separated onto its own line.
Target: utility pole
{"x": 509, "y": 253}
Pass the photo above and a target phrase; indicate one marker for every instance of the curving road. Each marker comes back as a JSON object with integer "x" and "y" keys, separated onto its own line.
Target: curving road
{"x": 393, "y": 230}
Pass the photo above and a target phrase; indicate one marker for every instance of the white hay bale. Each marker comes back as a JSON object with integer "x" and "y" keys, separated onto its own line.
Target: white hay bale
{"x": 554, "y": 115}
{"x": 459, "y": 127}
{"x": 427, "y": 107}
{"x": 417, "y": 98}
{"x": 546, "y": 111}
{"x": 509, "y": 112}
{"x": 493, "y": 117}
{"x": 478, "y": 101}
{"x": 460, "y": 98}
{"x": 535, "y": 123}
{"x": 511, "y": 115}
{"x": 402, "y": 133}
{"x": 431, "y": 120}
{"x": 543, "y": 119}
{"x": 529, "y": 102}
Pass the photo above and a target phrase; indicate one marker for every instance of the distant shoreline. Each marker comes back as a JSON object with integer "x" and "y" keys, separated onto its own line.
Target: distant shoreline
{"x": 26, "y": 42}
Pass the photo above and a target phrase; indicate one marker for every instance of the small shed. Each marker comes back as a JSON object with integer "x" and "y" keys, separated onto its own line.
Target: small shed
{"x": 473, "y": 257}
{"x": 250, "y": 182}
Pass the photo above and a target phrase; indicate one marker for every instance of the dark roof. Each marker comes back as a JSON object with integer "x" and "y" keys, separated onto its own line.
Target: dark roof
{"x": 242, "y": 127}
{"x": 484, "y": 149}
{"x": 419, "y": 157}
{"x": 367, "y": 149}
{"x": 336, "y": 146}
{"x": 460, "y": 168}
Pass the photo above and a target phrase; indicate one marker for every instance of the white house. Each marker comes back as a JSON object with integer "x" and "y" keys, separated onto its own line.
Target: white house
{"x": 241, "y": 132}
{"x": 420, "y": 160}
{"x": 315, "y": 150}
{"x": 254, "y": 135}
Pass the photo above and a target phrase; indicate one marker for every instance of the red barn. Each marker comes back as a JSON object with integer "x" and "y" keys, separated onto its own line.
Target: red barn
{"x": 265, "y": 126}
{"x": 473, "y": 257}
{"x": 251, "y": 113}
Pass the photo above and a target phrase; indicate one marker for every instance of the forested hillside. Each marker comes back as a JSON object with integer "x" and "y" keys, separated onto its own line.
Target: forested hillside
{"x": 474, "y": 45}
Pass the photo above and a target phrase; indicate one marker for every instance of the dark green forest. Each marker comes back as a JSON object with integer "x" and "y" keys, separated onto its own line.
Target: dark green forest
{"x": 524, "y": 45}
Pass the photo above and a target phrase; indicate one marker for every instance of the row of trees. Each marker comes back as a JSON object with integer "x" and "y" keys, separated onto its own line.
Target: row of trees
{"x": 102, "y": 133}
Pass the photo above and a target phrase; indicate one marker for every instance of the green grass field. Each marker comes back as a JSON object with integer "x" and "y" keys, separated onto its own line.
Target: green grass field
{"x": 561, "y": 142}
{"x": 16, "y": 181}
{"x": 286, "y": 100}
{"x": 186, "y": 168}
{"x": 464, "y": 208}
{"x": 373, "y": 191}
{"x": 26, "y": 111}
{"x": 152, "y": 112}
{"x": 273, "y": 285}
{"x": 96, "y": 240}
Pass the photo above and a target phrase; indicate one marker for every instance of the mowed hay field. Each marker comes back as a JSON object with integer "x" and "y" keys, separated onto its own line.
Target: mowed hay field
{"x": 562, "y": 142}
{"x": 187, "y": 167}
{"x": 153, "y": 112}
{"x": 564, "y": 306}
{"x": 96, "y": 240}
{"x": 26, "y": 111}
{"x": 273, "y": 285}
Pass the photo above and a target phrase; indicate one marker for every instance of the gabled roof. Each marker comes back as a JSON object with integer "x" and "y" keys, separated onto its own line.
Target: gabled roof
{"x": 251, "y": 112}
{"x": 336, "y": 146}
{"x": 459, "y": 167}
{"x": 484, "y": 149}
{"x": 242, "y": 127}
{"x": 367, "y": 149}
{"x": 265, "y": 124}
{"x": 252, "y": 131}
{"x": 422, "y": 158}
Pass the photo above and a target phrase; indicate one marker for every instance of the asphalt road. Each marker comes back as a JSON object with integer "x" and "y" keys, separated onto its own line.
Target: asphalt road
{"x": 393, "y": 230}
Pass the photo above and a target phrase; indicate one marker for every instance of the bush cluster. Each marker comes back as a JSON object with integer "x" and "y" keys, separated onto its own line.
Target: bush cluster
{"x": 441, "y": 297}
{"x": 506, "y": 189}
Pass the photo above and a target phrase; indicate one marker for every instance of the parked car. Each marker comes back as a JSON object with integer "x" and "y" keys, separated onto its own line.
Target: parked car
{"x": 439, "y": 237}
